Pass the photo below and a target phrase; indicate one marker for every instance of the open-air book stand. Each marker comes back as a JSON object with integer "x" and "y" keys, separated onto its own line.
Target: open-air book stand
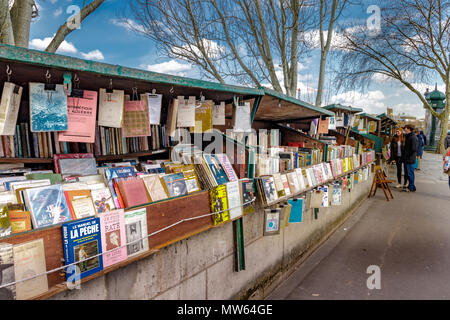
{"x": 380, "y": 180}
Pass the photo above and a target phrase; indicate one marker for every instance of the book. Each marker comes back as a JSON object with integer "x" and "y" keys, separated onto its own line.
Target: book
{"x": 234, "y": 199}
{"x": 175, "y": 184}
{"x": 186, "y": 112}
{"x": 219, "y": 204}
{"x": 5, "y": 223}
{"x": 9, "y": 108}
{"x": 136, "y": 231}
{"x": 102, "y": 200}
{"x": 241, "y": 118}
{"x": 58, "y": 157}
{"x": 203, "y": 116}
{"x": 7, "y": 272}
{"x": 121, "y": 172}
{"x": 248, "y": 195}
{"x": 154, "y": 107}
{"x": 215, "y": 168}
{"x": 190, "y": 177}
{"x": 135, "y": 119}
{"x": 325, "y": 199}
{"x": 133, "y": 192}
{"x": 53, "y": 177}
{"x": 82, "y": 113}
{"x": 155, "y": 188}
{"x": 112, "y": 225}
{"x": 336, "y": 195}
{"x": 296, "y": 214}
{"x": 48, "y": 108}
{"x": 294, "y": 185}
{"x": 110, "y": 108}
{"x": 71, "y": 195}
{"x": 300, "y": 179}
{"x": 171, "y": 121}
{"x": 285, "y": 182}
{"x": 82, "y": 167}
{"x": 218, "y": 114}
{"x": 83, "y": 207}
{"x": 29, "y": 260}
{"x": 226, "y": 165}
{"x": 47, "y": 205}
{"x": 20, "y": 221}
{"x": 82, "y": 243}
{"x": 268, "y": 187}
{"x": 279, "y": 185}
{"x": 271, "y": 221}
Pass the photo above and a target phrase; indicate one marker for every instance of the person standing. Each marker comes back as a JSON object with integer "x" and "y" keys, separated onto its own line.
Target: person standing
{"x": 447, "y": 154}
{"x": 411, "y": 147}
{"x": 424, "y": 137}
{"x": 447, "y": 140}
{"x": 397, "y": 147}
{"x": 420, "y": 147}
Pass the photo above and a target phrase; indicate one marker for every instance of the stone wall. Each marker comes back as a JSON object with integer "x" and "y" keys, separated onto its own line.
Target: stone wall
{"x": 201, "y": 267}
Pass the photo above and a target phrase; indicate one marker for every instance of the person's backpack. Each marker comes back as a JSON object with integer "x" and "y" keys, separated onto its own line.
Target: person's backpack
{"x": 446, "y": 164}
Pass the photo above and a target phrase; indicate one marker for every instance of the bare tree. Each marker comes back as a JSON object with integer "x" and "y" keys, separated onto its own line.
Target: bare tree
{"x": 16, "y": 17}
{"x": 250, "y": 41}
{"x": 413, "y": 46}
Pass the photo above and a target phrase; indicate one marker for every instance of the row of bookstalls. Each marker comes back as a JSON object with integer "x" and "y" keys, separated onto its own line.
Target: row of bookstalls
{"x": 96, "y": 174}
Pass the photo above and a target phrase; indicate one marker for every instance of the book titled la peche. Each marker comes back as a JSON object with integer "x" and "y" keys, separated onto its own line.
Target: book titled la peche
{"x": 82, "y": 243}
{"x": 112, "y": 225}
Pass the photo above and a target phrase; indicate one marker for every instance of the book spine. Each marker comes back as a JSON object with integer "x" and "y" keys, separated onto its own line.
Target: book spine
{"x": 102, "y": 140}
{"x": 107, "y": 141}
{"x": 28, "y": 140}
{"x": 19, "y": 144}
{"x": 97, "y": 144}
{"x": 2, "y": 148}
{"x": 35, "y": 144}
{"x": 50, "y": 144}
{"x": 57, "y": 144}
{"x": 66, "y": 245}
{"x": 23, "y": 140}
{"x": 7, "y": 146}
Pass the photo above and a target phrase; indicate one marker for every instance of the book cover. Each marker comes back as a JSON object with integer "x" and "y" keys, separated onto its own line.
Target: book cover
{"x": 110, "y": 108}
{"x": 20, "y": 221}
{"x": 216, "y": 169}
{"x": 82, "y": 113}
{"x": 234, "y": 199}
{"x": 293, "y": 182}
{"x": 29, "y": 260}
{"x": 83, "y": 207}
{"x": 57, "y": 157}
{"x": 248, "y": 195}
{"x": 112, "y": 225}
{"x": 113, "y": 173}
{"x": 175, "y": 184}
{"x": 296, "y": 215}
{"x": 9, "y": 108}
{"x": 270, "y": 192}
{"x": 48, "y": 109}
{"x": 171, "y": 121}
{"x": 190, "y": 177}
{"x": 325, "y": 199}
{"x": 186, "y": 112}
{"x": 300, "y": 179}
{"x": 47, "y": 205}
{"x": 271, "y": 222}
{"x": 53, "y": 177}
{"x": 218, "y": 114}
{"x": 241, "y": 118}
{"x": 135, "y": 119}
{"x": 5, "y": 223}
{"x": 155, "y": 188}
{"x": 285, "y": 182}
{"x": 70, "y": 195}
{"x": 336, "y": 195}
{"x": 136, "y": 231}
{"x": 7, "y": 272}
{"x": 103, "y": 200}
{"x": 78, "y": 167}
{"x": 203, "y": 117}
{"x": 219, "y": 204}
{"x": 133, "y": 192}
{"x": 226, "y": 165}
{"x": 154, "y": 108}
{"x": 82, "y": 243}
{"x": 278, "y": 185}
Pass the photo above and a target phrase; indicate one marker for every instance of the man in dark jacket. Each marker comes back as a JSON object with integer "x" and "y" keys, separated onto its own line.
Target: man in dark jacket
{"x": 447, "y": 140}
{"x": 411, "y": 145}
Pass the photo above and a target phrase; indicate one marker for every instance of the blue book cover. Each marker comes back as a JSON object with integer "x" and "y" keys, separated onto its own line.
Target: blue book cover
{"x": 48, "y": 109}
{"x": 82, "y": 240}
{"x": 175, "y": 184}
{"x": 216, "y": 168}
{"x": 48, "y": 206}
{"x": 296, "y": 215}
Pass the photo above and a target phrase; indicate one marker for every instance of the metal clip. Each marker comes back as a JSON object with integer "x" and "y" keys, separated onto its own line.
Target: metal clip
{"x": 8, "y": 73}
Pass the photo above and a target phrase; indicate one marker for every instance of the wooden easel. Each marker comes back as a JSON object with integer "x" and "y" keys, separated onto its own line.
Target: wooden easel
{"x": 380, "y": 180}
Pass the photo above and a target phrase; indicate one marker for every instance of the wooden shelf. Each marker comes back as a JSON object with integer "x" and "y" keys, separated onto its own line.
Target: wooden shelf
{"x": 26, "y": 160}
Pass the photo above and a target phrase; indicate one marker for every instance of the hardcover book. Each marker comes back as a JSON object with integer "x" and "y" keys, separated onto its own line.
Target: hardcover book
{"x": 175, "y": 184}
{"x": 9, "y": 108}
{"x": 219, "y": 204}
{"x": 29, "y": 260}
{"x": 110, "y": 108}
{"x": 7, "y": 272}
{"x": 48, "y": 109}
{"x": 47, "y": 205}
{"x": 82, "y": 243}
{"x": 133, "y": 192}
{"x": 234, "y": 199}
{"x": 82, "y": 113}
{"x": 112, "y": 225}
{"x": 136, "y": 231}
{"x": 102, "y": 199}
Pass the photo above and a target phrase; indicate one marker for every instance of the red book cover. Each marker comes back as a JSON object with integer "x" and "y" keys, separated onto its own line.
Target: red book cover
{"x": 133, "y": 192}
{"x": 296, "y": 144}
{"x": 56, "y": 158}
{"x": 117, "y": 191}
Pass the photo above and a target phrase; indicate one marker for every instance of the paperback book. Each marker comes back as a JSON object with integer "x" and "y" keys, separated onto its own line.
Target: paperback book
{"x": 136, "y": 231}
{"x": 112, "y": 225}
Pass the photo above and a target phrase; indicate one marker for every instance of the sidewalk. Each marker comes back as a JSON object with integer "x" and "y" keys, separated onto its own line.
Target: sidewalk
{"x": 408, "y": 238}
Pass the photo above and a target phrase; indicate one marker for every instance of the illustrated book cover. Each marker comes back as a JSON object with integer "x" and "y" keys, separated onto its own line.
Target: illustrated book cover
{"x": 234, "y": 199}
{"x": 271, "y": 221}
{"x": 219, "y": 204}
{"x": 112, "y": 225}
{"x": 136, "y": 231}
{"x": 175, "y": 184}
{"x": 7, "y": 272}
{"x": 9, "y": 108}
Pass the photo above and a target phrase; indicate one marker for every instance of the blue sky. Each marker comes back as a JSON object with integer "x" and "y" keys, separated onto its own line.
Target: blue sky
{"x": 103, "y": 38}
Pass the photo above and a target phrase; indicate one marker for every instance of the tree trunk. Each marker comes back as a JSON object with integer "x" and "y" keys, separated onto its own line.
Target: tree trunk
{"x": 444, "y": 126}
{"x": 21, "y": 19}
{"x": 6, "y": 31}
{"x": 323, "y": 60}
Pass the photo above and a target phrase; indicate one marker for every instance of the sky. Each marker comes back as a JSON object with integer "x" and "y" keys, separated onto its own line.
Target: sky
{"x": 103, "y": 37}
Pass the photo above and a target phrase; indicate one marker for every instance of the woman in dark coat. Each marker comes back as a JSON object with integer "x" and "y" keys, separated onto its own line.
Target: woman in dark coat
{"x": 397, "y": 153}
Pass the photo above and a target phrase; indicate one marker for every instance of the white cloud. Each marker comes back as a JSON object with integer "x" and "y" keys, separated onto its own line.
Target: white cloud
{"x": 170, "y": 67}
{"x": 372, "y": 102}
{"x": 53, "y": 1}
{"x": 93, "y": 55}
{"x": 128, "y": 24}
{"x": 57, "y": 12}
{"x": 337, "y": 39}
{"x": 41, "y": 44}
{"x": 212, "y": 48}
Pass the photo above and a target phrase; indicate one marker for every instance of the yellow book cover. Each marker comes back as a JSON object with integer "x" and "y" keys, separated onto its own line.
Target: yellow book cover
{"x": 219, "y": 203}
{"x": 203, "y": 116}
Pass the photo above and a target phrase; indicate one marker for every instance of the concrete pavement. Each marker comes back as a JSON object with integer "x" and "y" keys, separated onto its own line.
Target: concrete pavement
{"x": 408, "y": 238}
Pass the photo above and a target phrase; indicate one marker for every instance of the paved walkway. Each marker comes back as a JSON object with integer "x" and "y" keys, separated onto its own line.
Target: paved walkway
{"x": 408, "y": 238}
